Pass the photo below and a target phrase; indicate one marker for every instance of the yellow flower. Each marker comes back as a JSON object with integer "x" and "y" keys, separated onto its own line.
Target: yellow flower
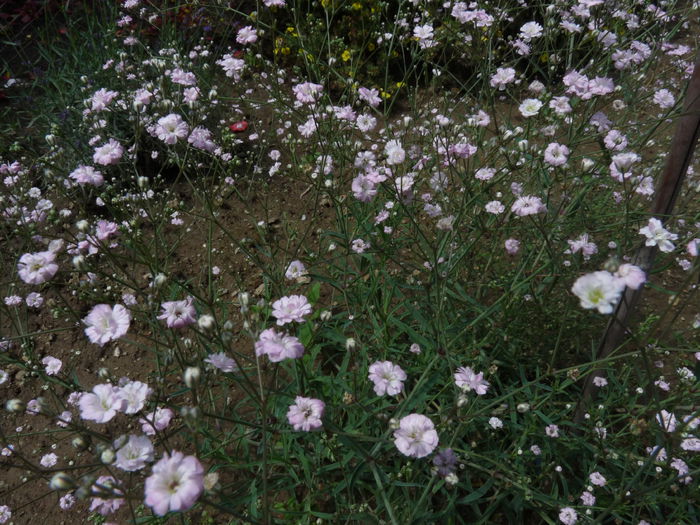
{"x": 346, "y": 55}
{"x": 371, "y": 46}
{"x": 357, "y": 6}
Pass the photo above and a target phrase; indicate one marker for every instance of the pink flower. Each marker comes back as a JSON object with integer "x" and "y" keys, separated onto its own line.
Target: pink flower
{"x": 106, "y": 323}
{"x": 556, "y": 154}
{"x": 36, "y": 268}
{"x": 502, "y": 77}
{"x": 468, "y": 380}
{"x": 176, "y": 483}
{"x": 512, "y": 246}
{"x": 134, "y": 454}
{"x": 552, "y": 431}
{"x": 170, "y": 128}
{"x": 48, "y": 460}
{"x": 395, "y": 154}
{"x": 222, "y": 362}
{"x": 306, "y": 413}
{"x": 278, "y": 347}
{"x": 178, "y": 313}
{"x": 633, "y": 276}
{"x": 52, "y": 365}
{"x": 307, "y": 92}
{"x": 135, "y": 394}
{"x": 387, "y": 377}
{"x": 102, "y": 404}
{"x": 371, "y": 96}
{"x": 246, "y": 35}
{"x": 416, "y": 436}
{"x": 105, "y": 491}
{"x": 597, "y": 479}
{"x": 101, "y": 99}
{"x": 87, "y": 175}
{"x": 290, "y": 309}
{"x": 156, "y": 421}
{"x": 568, "y": 516}
{"x": 295, "y": 270}
{"x": 108, "y": 153}
{"x": 657, "y": 235}
{"x": 528, "y": 205}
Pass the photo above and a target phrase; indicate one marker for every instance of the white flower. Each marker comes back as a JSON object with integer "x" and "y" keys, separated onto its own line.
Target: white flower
{"x": 657, "y": 235}
{"x": 530, "y": 107}
{"x": 599, "y": 290}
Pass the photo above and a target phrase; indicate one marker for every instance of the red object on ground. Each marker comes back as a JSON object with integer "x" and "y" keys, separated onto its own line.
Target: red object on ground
{"x": 239, "y": 127}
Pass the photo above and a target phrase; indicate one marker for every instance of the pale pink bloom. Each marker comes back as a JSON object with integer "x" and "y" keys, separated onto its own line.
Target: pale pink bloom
{"x": 246, "y": 35}
{"x": 108, "y": 153}
{"x": 598, "y": 290}
{"x": 512, "y": 246}
{"x": 371, "y": 96}
{"x": 568, "y": 516}
{"x": 468, "y": 380}
{"x": 306, "y": 413}
{"x": 87, "y": 175}
{"x": 184, "y": 78}
{"x": 135, "y": 394}
{"x": 307, "y": 92}
{"x": 552, "y": 431}
{"x": 278, "y": 347}
{"x": 190, "y": 94}
{"x": 495, "y": 207}
{"x": 363, "y": 188}
{"x": 102, "y": 404}
{"x": 395, "y": 154}
{"x": 52, "y": 365}
{"x": 233, "y": 67}
{"x": 664, "y": 99}
{"x": 587, "y": 499}
{"x": 37, "y": 268}
{"x": 584, "y": 245}
{"x": 502, "y": 77}
{"x": 691, "y": 444}
{"x": 615, "y": 141}
{"x": 485, "y": 173}
{"x": 102, "y": 98}
{"x": 530, "y": 30}
{"x": 222, "y": 362}
{"x": 5, "y": 513}
{"x": 416, "y": 436}
{"x": 134, "y": 454}
{"x": 200, "y": 138}
{"x": 657, "y": 235}
{"x": 64, "y": 418}
{"x": 528, "y": 205}
{"x": 170, "y": 128}
{"x": 48, "y": 460}
{"x": 291, "y": 309}
{"x": 295, "y": 270}
{"x": 600, "y": 381}
{"x": 104, "y": 491}
{"x": 387, "y": 377}
{"x": 66, "y": 501}
{"x": 156, "y": 421}
{"x": 365, "y": 123}
{"x": 633, "y": 276}
{"x": 597, "y": 479}
{"x": 274, "y": 3}
{"x": 667, "y": 420}
{"x": 560, "y": 105}
{"x": 176, "y": 483}
{"x": 106, "y": 323}
{"x": 692, "y": 247}
{"x": 178, "y": 314}
{"x": 556, "y": 154}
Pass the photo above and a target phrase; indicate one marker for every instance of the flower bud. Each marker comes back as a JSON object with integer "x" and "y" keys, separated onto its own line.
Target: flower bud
{"x": 192, "y": 376}
{"x": 108, "y": 456}
{"x": 82, "y": 225}
{"x": 523, "y": 407}
{"x": 326, "y": 315}
{"x": 15, "y": 405}
{"x": 587, "y": 164}
{"x": 350, "y": 344}
{"x": 103, "y": 373}
{"x": 79, "y": 262}
{"x": 62, "y": 481}
{"x": 206, "y": 323}
{"x": 80, "y": 443}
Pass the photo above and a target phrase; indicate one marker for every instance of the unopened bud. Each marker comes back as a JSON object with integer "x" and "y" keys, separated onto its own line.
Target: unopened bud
{"x": 159, "y": 280}
{"x": 62, "y": 481}
{"x": 350, "y": 343}
{"x": 192, "y": 376}
{"x": 462, "y": 400}
{"x": 80, "y": 443}
{"x": 206, "y": 323}
{"x": 79, "y": 262}
{"x": 393, "y": 423}
{"x": 107, "y": 457}
{"x": 587, "y": 164}
{"x": 451, "y": 479}
{"x": 15, "y": 405}
{"x": 103, "y": 373}
{"x": 326, "y": 315}
{"x": 523, "y": 407}
{"x": 142, "y": 182}
{"x": 82, "y": 225}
